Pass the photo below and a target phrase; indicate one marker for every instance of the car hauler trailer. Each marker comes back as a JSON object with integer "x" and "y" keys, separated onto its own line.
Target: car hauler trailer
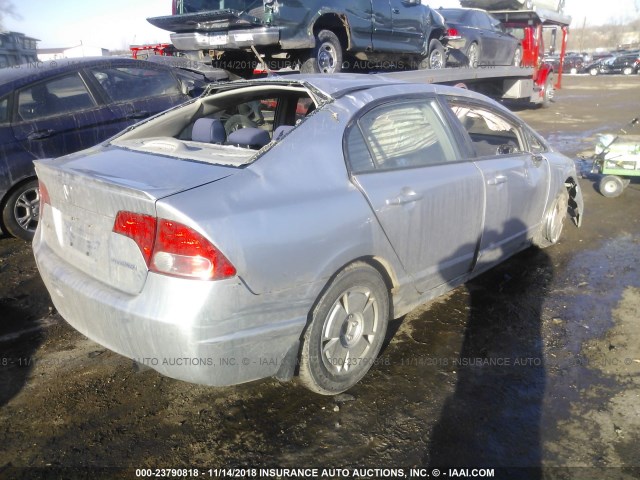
{"x": 533, "y": 81}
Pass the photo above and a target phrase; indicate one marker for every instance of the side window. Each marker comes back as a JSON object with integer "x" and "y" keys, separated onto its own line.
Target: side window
{"x": 123, "y": 83}
{"x": 62, "y": 95}
{"x": 4, "y": 110}
{"x": 482, "y": 21}
{"x": 491, "y": 134}
{"x": 399, "y": 135}
{"x": 536, "y": 145}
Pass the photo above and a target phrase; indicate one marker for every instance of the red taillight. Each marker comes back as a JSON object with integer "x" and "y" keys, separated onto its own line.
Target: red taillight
{"x": 172, "y": 248}
{"x": 141, "y": 228}
{"x": 44, "y": 194}
{"x": 453, "y": 32}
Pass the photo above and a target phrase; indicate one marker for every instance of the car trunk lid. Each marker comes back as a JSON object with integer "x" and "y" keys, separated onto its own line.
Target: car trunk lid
{"x": 86, "y": 191}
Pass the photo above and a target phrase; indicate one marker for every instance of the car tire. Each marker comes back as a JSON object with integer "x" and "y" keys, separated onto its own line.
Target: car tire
{"x": 517, "y": 57}
{"x": 21, "y": 211}
{"x": 327, "y": 55}
{"x": 553, "y": 221}
{"x": 549, "y": 92}
{"x": 437, "y": 58}
{"x": 574, "y": 71}
{"x": 346, "y": 332}
{"x": 627, "y": 70}
{"x": 594, "y": 71}
{"x": 611, "y": 186}
{"x": 473, "y": 55}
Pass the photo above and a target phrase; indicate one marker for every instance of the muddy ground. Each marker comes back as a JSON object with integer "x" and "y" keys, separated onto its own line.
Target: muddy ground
{"x": 555, "y": 392}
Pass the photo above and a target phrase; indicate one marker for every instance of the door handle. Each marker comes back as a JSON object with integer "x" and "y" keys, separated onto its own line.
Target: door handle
{"x": 497, "y": 180}
{"x": 41, "y": 134}
{"x": 140, "y": 114}
{"x": 406, "y": 196}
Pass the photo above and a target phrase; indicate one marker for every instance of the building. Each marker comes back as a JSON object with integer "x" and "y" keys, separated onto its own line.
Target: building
{"x": 78, "y": 51}
{"x": 16, "y": 48}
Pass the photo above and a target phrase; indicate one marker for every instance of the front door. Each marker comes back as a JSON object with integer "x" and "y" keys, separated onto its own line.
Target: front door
{"x": 515, "y": 180}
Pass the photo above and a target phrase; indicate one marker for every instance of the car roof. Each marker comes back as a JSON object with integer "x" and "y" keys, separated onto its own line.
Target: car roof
{"x": 25, "y": 74}
{"x": 333, "y": 86}
{"x": 338, "y": 85}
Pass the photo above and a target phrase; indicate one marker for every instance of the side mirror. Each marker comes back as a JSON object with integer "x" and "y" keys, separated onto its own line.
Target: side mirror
{"x": 187, "y": 87}
{"x": 505, "y": 149}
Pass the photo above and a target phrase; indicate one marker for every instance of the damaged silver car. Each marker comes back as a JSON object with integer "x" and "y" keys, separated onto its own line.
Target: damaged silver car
{"x": 274, "y": 227}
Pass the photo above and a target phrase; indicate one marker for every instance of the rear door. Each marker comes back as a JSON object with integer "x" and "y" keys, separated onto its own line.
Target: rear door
{"x": 382, "y": 26}
{"x": 516, "y": 181}
{"x": 134, "y": 93}
{"x": 408, "y": 25}
{"x": 428, "y": 202}
{"x": 45, "y": 122}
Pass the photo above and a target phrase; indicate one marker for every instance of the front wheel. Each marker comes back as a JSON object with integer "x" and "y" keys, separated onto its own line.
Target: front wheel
{"x": 326, "y": 57}
{"x": 347, "y": 329}
{"x": 548, "y": 93}
{"x": 594, "y": 71}
{"x": 21, "y": 212}
{"x": 611, "y": 186}
{"x": 627, "y": 71}
{"x": 517, "y": 57}
{"x": 553, "y": 222}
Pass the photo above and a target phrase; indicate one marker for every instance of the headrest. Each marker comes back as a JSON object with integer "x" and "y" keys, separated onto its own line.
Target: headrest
{"x": 249, "y": 138}
{"x": 208, "y": 130}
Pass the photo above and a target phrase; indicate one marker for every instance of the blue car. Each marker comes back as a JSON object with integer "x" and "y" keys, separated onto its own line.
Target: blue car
{"x": 50, "y": 109}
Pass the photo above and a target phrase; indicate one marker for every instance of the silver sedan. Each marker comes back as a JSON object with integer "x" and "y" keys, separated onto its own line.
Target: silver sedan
{"x": 274, "y": 227}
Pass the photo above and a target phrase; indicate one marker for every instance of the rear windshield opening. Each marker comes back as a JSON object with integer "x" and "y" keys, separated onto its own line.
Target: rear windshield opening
{"x": 230, "y": 127}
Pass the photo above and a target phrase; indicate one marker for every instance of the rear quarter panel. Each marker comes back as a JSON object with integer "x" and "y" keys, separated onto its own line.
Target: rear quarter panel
{"x": 291, "y": 218}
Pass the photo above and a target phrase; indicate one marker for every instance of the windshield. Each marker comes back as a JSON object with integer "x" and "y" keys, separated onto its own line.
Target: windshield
{"x": 194, "y": 6}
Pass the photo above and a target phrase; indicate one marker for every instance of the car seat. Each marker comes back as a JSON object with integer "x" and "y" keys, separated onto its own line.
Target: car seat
{"x": 255, "y": 138}
{"x": 208, "y": 130}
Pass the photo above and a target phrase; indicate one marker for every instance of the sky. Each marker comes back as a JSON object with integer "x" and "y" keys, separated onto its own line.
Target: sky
{"x": 115, "y": 24}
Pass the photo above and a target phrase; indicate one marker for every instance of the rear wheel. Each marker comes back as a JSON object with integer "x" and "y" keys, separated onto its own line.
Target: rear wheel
{"x": 611, "y": 186}
{"x": 473, "y": 55}
{"x": 326, "y": 57}
{"x": 594, "y": 71}
{"x": 627, "y": 71}
{"x": 21, "y": 212}
{"x": 347, "y": 329}
{"x": 437, "y": 55}
{"x": 574, "y": 70}
{"x": 553, "y": 222}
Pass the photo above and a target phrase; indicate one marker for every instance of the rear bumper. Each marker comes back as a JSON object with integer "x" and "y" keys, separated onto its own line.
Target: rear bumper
{"x": 227, "y": 40}
{"x": 211, "y": 333}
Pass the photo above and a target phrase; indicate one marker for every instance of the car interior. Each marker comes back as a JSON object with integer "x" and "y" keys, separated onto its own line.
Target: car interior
{"x": 249, "y": 119}
{"x": 490, "y": 134}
